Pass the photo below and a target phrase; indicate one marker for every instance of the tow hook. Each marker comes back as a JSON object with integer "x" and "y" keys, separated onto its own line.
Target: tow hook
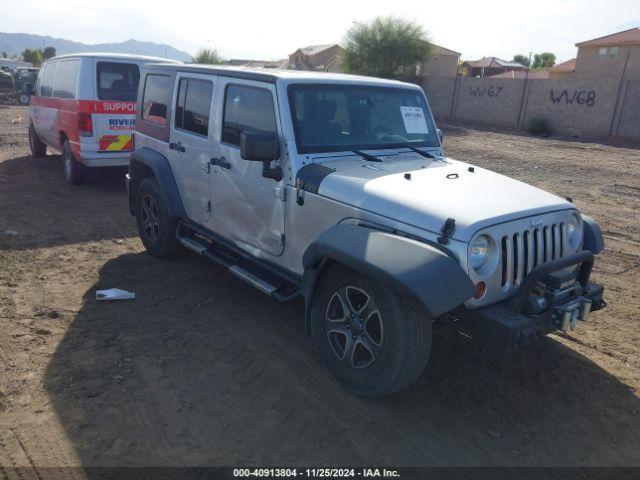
{"x": 567, "y": 315}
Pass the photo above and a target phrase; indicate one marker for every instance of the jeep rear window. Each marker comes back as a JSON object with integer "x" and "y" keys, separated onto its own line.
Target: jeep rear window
{"x": 193, "y": 105}
{"x": 156, "y": 98}
{"x": 118, "y": 81}
{"x": 335, "y": 117}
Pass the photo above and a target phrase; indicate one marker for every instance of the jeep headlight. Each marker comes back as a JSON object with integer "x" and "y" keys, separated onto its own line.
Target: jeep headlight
{"x": 573, "y": 230}
{"x": 479, "y": 252}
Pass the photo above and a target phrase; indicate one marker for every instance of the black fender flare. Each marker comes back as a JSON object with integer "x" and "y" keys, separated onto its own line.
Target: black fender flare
{"x": 143, "y": 160}
{"x": 592, "y": 238}
{"x": 415, "y": 268}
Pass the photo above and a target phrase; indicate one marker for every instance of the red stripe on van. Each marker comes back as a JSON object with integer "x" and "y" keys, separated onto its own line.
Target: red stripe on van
{"x": 103, "y": 106}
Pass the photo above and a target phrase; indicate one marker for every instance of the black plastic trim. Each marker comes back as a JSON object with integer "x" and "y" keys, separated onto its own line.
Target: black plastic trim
{"x": 310, "y": 176}
{"x": 592, "y": 235}
{"x": 159, "y": 166}
{"x": 411, "y": 267}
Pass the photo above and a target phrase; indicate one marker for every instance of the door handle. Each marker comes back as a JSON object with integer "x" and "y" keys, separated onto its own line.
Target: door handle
{"x": 177, "y": 147}
{"x": 221, "y": 162}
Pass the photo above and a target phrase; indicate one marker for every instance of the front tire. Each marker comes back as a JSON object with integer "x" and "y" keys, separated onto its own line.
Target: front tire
{"x": 373, "y": 340}
{"x": 74, "y": 172}
{"x": 156, "y": 228}
{"x": 38, "y": 147}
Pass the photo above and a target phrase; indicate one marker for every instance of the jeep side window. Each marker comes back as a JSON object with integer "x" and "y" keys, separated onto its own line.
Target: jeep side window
{"x": 247, "y": 109}
{"x": 156, "y": 98}
{"x": 46, "y": 87}
{"x": 193, "y": 105}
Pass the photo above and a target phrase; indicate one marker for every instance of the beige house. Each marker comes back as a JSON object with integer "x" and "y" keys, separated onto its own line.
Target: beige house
{"x": 323, "y": 58}
{"x": 440, "y": 61}
{"x": 605, "y": 56}
{"x": 563, "y": 70}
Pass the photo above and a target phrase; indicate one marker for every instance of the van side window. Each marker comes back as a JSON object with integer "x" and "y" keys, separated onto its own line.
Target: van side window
{"x": 46, "y": 86}
{"x": 193, "y": 105}
{"x": 65, "y": 83}
{"x": 156, "y": 98}
{"x": 247, "y": 109}
{"x": 118, "y": 81}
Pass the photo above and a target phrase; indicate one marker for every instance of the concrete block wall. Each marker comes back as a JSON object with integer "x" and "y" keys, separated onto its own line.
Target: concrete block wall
{"x": 588, "y": 106}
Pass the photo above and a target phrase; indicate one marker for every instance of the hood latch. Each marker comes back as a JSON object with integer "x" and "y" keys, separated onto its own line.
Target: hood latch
{"x": 447, "y": 231}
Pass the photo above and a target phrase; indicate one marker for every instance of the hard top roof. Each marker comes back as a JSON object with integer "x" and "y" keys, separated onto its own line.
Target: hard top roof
{"x": 115, "y": 56}
{"x": 272, "y": 74}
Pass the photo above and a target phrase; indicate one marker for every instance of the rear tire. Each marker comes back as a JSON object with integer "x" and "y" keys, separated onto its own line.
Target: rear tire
{"x": 156, "y": 228}
{"x": 38, "y": 147}
{"x": 373, "y": 340}
{"x": 74, "y": 172}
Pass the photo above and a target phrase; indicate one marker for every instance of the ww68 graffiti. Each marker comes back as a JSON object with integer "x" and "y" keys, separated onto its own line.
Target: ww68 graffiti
{"x": 580, "y": 97}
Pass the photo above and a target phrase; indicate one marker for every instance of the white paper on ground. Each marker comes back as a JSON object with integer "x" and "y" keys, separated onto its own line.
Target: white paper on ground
{"x": 114, "y": 294}
{"x": 414, "y": 121}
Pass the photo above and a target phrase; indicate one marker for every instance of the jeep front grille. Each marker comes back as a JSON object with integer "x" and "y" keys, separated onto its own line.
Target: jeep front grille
{"x": 523, "y": 251}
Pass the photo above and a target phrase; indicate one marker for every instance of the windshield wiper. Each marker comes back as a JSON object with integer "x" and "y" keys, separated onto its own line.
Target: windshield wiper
{"x": 420, "y": 152}
{"x": 366, "y": 156}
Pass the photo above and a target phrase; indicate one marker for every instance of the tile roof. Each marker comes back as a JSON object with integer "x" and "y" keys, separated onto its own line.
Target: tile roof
{"x": 313, "y": 49}
{"x": 494, "y": 62}
{"x": 626, "y": 37}
{"x": 568, "y": 66}
{"x": 438, "y": 50}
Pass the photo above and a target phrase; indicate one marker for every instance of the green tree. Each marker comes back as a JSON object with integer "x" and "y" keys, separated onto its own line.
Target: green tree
{"x": 48, "y": 52}
{"x": 208, "y": 55}
{"x": 4, "y": 55}
{"x": 388, "y": 47}
{"x": 521, "y": 59}
{"x": 33, "y": 56}
{"x": 543, "y": 60}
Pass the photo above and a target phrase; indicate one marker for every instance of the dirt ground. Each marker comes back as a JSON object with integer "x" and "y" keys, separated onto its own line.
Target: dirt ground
{"x": 202, "y": 369}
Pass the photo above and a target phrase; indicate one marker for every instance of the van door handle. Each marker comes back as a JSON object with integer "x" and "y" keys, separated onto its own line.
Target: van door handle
{"x": 177, "y": 147}
{"x": 221, "y": 162}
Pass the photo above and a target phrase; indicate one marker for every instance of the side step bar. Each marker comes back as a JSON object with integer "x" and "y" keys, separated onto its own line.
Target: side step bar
{"x": 262, "y": 276}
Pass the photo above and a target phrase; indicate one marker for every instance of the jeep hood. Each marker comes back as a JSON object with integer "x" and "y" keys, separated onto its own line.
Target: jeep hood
{"x": 434, "y": 191}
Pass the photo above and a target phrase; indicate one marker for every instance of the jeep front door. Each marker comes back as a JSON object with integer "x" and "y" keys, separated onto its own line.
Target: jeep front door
{"x": 191, "y": 143}
{"x": 249, "y": 207}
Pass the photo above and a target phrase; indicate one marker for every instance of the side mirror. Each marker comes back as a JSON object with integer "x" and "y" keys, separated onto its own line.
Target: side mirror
{"x": 262, "y": 147}
{"x": 440, "y": 135}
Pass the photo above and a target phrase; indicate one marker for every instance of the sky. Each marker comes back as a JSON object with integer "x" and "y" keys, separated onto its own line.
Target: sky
{"x": 275, "y": 28}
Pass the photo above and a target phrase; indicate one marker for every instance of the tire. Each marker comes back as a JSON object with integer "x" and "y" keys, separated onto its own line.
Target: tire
{"x": 387, "y": 351}
{"x": 38, "y": 147}
{"x": 74, "y": 172}
{"x": 156, "y": 228}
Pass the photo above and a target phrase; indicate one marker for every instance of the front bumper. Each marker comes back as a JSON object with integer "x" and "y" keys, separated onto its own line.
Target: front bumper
{"x": 553, "y": 297}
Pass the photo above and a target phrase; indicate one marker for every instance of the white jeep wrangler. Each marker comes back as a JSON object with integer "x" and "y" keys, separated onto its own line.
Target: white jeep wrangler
{"x": 334, "y": 188}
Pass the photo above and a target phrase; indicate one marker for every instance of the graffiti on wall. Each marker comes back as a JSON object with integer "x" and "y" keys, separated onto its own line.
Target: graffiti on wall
{"x": 485, "y": 91}
{"x": 579, "y": 97}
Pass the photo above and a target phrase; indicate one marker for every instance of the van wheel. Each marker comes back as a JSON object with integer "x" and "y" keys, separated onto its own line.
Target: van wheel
{"x": 74, "y": 172}
{"x": 156, "y": 228}
{"x": 38, "y": 147}
{"x": 373, "y": 340}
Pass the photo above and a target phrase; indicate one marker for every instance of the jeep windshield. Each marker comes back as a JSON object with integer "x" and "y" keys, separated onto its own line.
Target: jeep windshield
{"x": 330, "y": 117}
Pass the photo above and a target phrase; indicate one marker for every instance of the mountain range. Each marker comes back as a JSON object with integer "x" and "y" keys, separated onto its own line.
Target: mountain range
{"x": 16, "y": 43}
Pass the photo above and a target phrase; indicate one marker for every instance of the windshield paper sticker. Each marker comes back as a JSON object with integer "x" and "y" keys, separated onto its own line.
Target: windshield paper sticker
{"x": 414, "y": 121}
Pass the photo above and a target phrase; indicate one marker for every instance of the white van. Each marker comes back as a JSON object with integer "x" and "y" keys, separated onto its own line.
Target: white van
{"x": 84, "y": 106}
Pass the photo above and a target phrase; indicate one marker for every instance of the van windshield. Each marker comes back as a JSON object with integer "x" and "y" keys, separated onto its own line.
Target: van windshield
{"x": 331, "y": 117}
{"x": 118, "y": 81}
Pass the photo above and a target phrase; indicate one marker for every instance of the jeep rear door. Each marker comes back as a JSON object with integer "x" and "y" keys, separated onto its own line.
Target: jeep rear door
{"x": 191, "y": 143}
{"x": 249, "y": 207}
